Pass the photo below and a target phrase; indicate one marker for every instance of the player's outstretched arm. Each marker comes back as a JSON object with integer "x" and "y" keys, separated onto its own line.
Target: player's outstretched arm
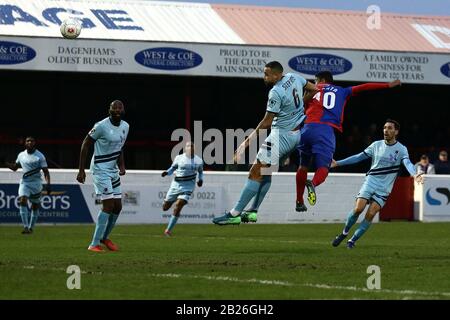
{"x": 333, "y": 164}
{"x": 351, "y": 160}
{"x": 87, "y": 143}
{"x": 375, "y": 86}
{"x": 171, "y": 170}
{"x": 412, "y": 171}
{"x": 395, "y": 83}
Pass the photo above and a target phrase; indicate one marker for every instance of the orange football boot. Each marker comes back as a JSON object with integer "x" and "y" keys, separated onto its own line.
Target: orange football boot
{"x": 97, "y": 248}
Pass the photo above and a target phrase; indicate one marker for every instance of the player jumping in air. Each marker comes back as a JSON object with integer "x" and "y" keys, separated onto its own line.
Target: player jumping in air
{"x": 285, "y": 116}
{"x": 324, "y": 113}
{"x": 387, "y": 156}
{"x": 108, "y": 137}
{"x": 185, "y": 166}
{"x": 32, "y": 162}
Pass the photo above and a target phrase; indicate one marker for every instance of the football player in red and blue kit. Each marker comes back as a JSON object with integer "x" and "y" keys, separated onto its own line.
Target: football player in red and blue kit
{"x": 324, "y": 114}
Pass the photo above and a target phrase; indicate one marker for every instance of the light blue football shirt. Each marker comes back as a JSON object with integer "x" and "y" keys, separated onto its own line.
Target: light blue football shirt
{"x": 186, "y": 168}
{"x": 286, "y": 100}
{"x": 31, "y": 165}
{"x": 386, "y": 163}
{"x": 109, "y": 141}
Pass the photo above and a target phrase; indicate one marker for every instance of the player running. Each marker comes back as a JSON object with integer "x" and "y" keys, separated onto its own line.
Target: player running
{"x": 186, "y": 166}
{"x": 285, "y": 116}
{"x": 324, "y": 113}
{"x": 32, "y": 162}
{"x": 387, "y": 157}
{"x": 108, "y": 137}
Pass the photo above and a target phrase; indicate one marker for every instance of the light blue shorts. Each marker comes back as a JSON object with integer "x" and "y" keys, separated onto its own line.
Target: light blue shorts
{"x": 180, "y": 190}
{"x": 31, "y": 190}
{"x": 371, "y": 193}
{"x": 278, "y": 145}
{"x": 107, "y": 185}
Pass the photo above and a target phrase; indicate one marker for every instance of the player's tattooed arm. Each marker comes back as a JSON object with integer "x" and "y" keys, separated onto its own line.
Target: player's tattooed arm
{"x": 310, "y": 91}
{"x": 309, "y": 86}
{"x": 87, "y": 143}
{"x": 309, "y": 95}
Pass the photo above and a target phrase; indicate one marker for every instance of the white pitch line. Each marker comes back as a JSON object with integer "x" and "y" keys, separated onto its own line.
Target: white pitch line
{"x": 311, "y": 285}
{"x": 273, "y": 282}
{"x": 62, "y": 270}
{"x": 223, "y": 278}
{"x": 222, "y": 238}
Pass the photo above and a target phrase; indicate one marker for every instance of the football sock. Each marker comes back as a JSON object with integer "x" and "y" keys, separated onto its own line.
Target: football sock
{"x": 173, "y": 220}
{"x": 300, "y": 179}
{"x": 363, "y": 226}
{"x": 34, "y": 216}
{"x": 102, "y": 221}
{"x": 250, "y": 190}
{"x": 319, "y": 176}
{"x": 110, "y": 225}
{"x": 262, "y": 191}
{"x": 24, "y": 215}
{"x": 351, "y": 220}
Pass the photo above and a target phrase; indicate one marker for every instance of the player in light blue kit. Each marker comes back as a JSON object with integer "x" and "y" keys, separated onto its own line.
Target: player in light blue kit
{"x": 186, "y": 166}
{"x": 387, "y": 156}
{"x": 32, "y": 162}
{"x": 107, "y": 164}
{"x": 285, "y": 116}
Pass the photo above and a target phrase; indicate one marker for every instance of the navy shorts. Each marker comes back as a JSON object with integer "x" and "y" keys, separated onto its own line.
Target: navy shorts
{"x": 317, "y": 140}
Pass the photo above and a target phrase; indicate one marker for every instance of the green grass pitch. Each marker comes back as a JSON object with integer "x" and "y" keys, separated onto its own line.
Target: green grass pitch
{"x": 231, "y": 262}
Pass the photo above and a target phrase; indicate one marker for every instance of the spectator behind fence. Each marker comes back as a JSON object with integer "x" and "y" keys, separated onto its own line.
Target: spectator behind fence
{"x": 442, "y": 166}
{"x": 424, "y": 165}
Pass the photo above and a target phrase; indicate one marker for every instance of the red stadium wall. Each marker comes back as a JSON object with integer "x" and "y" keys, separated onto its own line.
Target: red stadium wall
{"x": 400, "y": 204}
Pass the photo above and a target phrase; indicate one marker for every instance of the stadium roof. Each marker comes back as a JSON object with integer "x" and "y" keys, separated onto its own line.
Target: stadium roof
{"x": 227, "y": 24}
{"x": 335, "y": 29}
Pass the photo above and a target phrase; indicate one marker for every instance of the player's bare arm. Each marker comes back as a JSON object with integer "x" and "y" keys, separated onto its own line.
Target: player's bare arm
{"x": 87, "y": 143}
{"x": 419, "y": 178}
{"x": 265, "y": 123}
{"x": 310, "y": 92}
{"x": 395, "y": 83}
{"x": 47, "y": 179}
{"x": 309, "y": 86}
{"x": 122, "y": 170}
{"x": 334, "y": 163}
{"x": 12, "y": 165}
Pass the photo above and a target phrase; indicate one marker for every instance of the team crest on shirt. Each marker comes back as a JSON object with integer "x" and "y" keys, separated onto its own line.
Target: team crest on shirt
{"x": 394, "y": 157}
